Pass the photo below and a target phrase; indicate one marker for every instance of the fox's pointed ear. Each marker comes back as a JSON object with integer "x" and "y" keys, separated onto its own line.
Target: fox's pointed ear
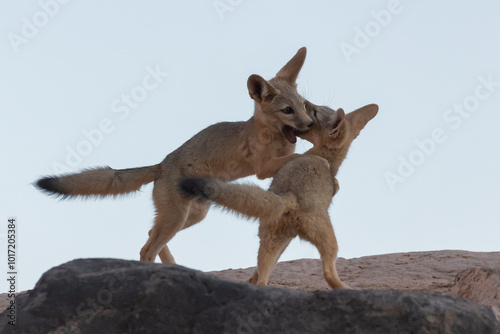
{"x": 291, "y": 70}
{"x": 337, "y": 120}
{"x": 259, "y": 89}
{"x": 360, "y": 117}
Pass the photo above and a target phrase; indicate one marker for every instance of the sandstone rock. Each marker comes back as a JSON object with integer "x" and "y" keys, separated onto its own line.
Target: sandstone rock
{"x": 117, "y": 296}
{"x": 480, "y": 285}
{"x": 414, "y": 271}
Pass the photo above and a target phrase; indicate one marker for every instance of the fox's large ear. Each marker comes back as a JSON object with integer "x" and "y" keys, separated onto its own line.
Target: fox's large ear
{"x": 291, "y": 70}
{"x": 259, "y": 89}
{"x": 337, "y": 120}
{"x": 360, "y": 117}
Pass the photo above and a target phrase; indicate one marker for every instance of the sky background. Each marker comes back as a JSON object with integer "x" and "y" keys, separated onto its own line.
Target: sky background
{"x": 423, "y": 175}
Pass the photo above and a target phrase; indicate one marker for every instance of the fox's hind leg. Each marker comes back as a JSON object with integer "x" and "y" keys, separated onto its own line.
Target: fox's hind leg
{"x": 323, "y": 237}
{"x": 197, "y": 211}
{"x": 166, "y": 256}
{"x": 164, "y": 229}
{"x": 171, "y": 214}
{"x": 272, "y": 245}
{"x": 255, "y": 275}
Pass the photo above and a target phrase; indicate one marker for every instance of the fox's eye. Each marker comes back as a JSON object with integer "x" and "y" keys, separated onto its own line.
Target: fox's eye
{"x": 287, "y": 110}
{"x": 315, "y": 113}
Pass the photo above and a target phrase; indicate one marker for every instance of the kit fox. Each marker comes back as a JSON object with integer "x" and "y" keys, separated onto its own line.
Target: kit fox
{"x": 228, "y": 151}
{"x": 299, "y": 196}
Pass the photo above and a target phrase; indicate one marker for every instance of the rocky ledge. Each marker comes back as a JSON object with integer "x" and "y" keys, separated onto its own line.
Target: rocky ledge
{"x": 117, "y": 296}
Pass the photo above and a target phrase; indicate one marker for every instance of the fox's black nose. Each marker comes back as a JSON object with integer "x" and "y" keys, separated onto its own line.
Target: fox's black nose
{"x": 310, "y": 124}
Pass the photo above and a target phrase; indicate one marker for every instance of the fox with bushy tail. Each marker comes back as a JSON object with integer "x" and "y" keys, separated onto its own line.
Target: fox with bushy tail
{"x": 243, "y": 199}
{"x": 99, "y": 182}
{"x": 228, "y": 150}
{"x": 299, "y": 196}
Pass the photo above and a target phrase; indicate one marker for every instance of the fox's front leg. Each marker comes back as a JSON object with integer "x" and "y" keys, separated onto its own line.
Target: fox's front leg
{"x": 271, "y": 166}
{"x": 336, "y": 186}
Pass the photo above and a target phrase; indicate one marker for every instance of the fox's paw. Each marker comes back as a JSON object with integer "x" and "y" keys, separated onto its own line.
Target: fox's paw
{"x": 327, "y": 164}
{"x": 254, "y": 278}
{"x": 336, "y": 186}
{"x": 344, "y": 286}
{"x": 146, "y": 256}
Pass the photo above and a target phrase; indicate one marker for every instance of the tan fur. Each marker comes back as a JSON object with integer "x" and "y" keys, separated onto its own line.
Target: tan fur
{"x": 104, "y": 181}
{"x": 298, "y": 199}
{"x": 227, "y": 151}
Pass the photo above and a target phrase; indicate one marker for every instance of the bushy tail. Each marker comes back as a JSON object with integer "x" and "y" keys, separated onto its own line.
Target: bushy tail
{"x": 101, "y": 181}
{"x": 248, "y": 200}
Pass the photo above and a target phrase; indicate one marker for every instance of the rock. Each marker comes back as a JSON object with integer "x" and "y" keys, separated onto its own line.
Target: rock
{"x": 481, "y": 285}
{"x": 415, "y": 271}
{"x": 117, "y": 296}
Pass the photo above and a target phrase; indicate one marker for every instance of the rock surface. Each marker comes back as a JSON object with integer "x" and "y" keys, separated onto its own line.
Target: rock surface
{"x": 416, "y": 271}
{"x": 481, "y": 286}
{"x": 117, "y": 296}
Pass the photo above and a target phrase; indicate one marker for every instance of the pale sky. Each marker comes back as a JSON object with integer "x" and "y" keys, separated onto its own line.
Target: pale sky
{"x": 140, "y": 78}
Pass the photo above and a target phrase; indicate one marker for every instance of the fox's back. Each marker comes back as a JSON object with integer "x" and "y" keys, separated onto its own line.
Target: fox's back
{"x": 216, "y": 151}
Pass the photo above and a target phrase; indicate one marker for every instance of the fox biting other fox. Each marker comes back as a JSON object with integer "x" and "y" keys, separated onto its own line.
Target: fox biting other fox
{"x": 299, "y": 196}
{"x": 197, "y": 174}
{"x": 227, "y": 150}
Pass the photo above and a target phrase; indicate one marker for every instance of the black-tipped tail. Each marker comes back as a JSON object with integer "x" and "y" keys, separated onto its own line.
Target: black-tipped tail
{"x": 51, "y": 186}
{"x": 248, "y": 200}
{"x": 195, "y": 187}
